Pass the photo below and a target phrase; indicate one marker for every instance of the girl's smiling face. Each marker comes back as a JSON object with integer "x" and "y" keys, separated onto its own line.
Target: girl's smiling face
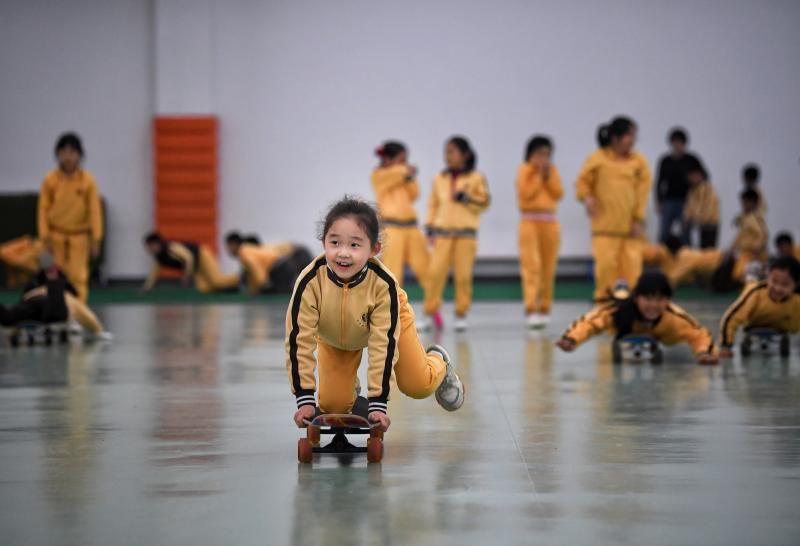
{"x": 348, "y": 247}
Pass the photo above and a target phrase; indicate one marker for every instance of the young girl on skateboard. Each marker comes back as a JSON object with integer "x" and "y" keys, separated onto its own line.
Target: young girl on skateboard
{"x": 345, "y": 301}
{"x": 648, "y": 311}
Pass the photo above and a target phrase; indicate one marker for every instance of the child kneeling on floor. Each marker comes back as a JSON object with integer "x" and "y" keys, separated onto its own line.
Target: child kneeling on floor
{"x": 647, "y": 311}
{"x": 773, "y": 303}
{"x": 345, "y": 301}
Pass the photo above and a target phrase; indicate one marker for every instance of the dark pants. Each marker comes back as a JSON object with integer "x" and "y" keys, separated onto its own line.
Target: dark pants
{"x": 48, "y": 308}
{"x": 671, "y": 212}
{"x": 284, "y": 273}
{"x": 708, "y": 235}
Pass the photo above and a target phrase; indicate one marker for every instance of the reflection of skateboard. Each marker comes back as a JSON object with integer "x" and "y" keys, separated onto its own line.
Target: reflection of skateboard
{"x": 639, "y": 348}
{"x": 34, "y": 331}
{"x": 339, "y": 425}
{"x": 766, "y": 339}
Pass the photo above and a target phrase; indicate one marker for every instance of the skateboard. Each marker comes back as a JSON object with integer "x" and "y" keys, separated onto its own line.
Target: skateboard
{"x": 638, "y": 348}
{"x": 339, "y": 426}
{"x": 32, "y": 331}
{"x": 765, "y": 339}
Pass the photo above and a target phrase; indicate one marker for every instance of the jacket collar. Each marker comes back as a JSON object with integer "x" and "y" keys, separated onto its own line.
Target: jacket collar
{"x": 352, "y": 283}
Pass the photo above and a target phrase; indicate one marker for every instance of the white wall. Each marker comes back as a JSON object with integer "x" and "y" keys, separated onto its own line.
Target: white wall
{"x": 82, "y": 65}
{"x": 305, "y": 90}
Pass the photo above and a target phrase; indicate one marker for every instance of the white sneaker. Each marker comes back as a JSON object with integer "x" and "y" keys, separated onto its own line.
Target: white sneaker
{"x": 102, "y": 336}
{"x": 424, "y": 324}
{"x": 534, "y": 320}
{"x": 544, "y": 320}
{"x": 450, "y": 393}
{"x": 74, "y": 327}
{"x": 460, "y": 324}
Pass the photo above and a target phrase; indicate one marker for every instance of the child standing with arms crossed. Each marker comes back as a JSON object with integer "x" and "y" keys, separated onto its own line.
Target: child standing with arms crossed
{"x": 345, "y": 301}
{"x": 614, "y": 185}
{"x": 69, "y": 216}
{"x": 459, "y": 196}
{"x": 538, "y": 192}
{"x": 396, "y": 189}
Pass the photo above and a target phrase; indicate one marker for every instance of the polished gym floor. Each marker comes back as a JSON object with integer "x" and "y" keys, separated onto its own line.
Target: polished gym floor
{"x": 180, "y": 432}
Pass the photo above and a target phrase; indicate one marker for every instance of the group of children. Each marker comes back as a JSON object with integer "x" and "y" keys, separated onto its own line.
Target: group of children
{"x": 56, "y": 264}
{"x": 265, "y": 268}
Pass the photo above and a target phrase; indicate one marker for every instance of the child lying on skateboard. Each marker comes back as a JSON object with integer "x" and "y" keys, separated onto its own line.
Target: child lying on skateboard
{"x": 346, "y": 301}
{"x": 647, "y": 311}
{"x": 773, "y": 303}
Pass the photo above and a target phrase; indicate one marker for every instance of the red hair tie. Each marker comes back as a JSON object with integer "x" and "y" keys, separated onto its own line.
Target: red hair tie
{"x": 379, "y": 151}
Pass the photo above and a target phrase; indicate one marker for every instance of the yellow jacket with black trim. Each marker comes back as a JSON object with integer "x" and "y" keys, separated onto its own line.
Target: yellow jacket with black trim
{"x": 363, "y": 312}
{"x": 674, "y": 326}
{"x": 755, "y": 309}
{"x": 620, "y": 187}
{"x": 395, "y": 190}
{"x": 456, "y": 203}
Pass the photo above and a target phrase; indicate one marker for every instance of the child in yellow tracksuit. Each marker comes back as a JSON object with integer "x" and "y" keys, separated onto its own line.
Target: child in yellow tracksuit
{"x": 70, "y": 218}
{"x": 614, "y": 184}
{"x": 680, "y": 263}
{"x": 774, "y": 303}
{"x": 345, "y": 301}
{"x": 752, "y": 239}
{"x": 194, "y": 260}
{"x": 51, "y": 298}
{"x": 21, "y": 258}
{"x": 396, "y": 189}
{"x": 701, "y": 210}
{"x": 268, "y": 268}
{"x": 459, "y": 196}
{"x": 538, "y": 192}
{"x": 648, "y": 311}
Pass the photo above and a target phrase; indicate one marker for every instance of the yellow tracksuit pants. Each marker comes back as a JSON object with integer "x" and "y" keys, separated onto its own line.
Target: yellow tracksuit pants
{"x": 615, "y": 258}
{"x": 458, "y": 253}
{"x": 208, "y": 277}
{"x": 538, "y": 254}
{"x": 418, "y": 374}
{"x": 71, "y": 254}
{"x": 406, "y": 245}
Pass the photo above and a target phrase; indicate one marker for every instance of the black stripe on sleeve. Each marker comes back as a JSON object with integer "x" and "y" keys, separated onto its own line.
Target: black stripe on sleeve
{"x": 736, "y": 306}
{"x": 295, "y": 313}
{"x": 394, "y": 313}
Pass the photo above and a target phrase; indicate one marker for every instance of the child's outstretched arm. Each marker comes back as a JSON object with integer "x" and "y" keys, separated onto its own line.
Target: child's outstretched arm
{"x": 737, "y": 316}
{"x": 302, "y": 319}
{"x": 592, "y": 323}
{"x": 695, "y": 334}
{"x": 384, "y": 326}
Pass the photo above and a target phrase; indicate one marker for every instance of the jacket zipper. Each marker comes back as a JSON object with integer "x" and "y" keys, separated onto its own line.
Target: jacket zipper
{"x": 344, "y": 307}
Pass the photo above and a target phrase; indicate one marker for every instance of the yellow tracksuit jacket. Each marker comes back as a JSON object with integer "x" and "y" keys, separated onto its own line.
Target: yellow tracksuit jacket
{"x": 620, "y": 186}
{"x": 446, "y": 216}
{"x": 395, "y": 190}
{"x": 70, "y": 204}
{"x": 754, "y": 308}
{"x": 361, "y": 313}
{"x": 702, "y": 205}
{"x": 674, "y": 326}
{"x": 753, "y": 235}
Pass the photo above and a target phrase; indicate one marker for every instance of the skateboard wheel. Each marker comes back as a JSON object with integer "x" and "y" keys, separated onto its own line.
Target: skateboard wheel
{"x": 63, "y": 337}
{"x": 304, "y": 451}
{"x": 313, "y": 435}
{"x": 14, "y": 340}
{"x": 657, "y": 357}
{"x": 48, "y": 339}
{"x": 374, "y": 450}
{"x": 616, "y": 353}
{"x": 746, "y": 347}
{"x": 785, "y": 349}
{"x": 31, "y": 341}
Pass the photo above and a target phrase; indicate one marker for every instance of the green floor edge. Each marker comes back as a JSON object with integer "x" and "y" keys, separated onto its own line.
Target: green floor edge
{"x": 483, "y": 291}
